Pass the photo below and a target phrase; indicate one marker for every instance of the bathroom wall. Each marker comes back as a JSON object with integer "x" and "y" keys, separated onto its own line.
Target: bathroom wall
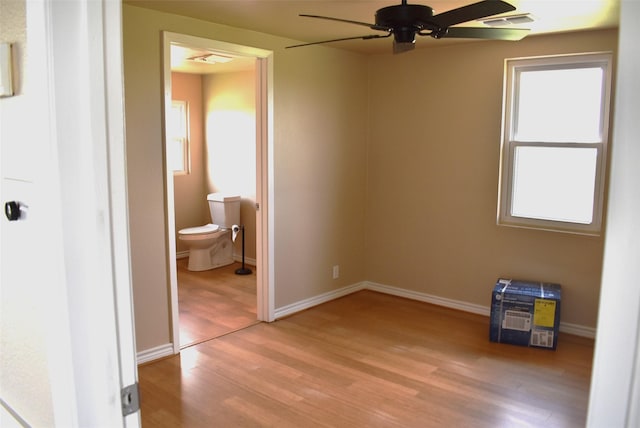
{"x": 230, "y": 144}
{"x": 433, "y": 179}
{"x": 190, "y": 190}
{"x": 222, "y": 143}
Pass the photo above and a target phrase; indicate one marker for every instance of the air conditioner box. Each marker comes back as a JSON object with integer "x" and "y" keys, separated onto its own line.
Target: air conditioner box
{"x": 525, "y": 313}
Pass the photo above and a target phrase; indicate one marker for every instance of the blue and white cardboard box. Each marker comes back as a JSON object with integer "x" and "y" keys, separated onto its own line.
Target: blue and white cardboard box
{"x": 525, "y": 313}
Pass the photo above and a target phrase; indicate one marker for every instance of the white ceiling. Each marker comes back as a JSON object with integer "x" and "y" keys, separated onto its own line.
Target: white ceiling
{"x": 280, "y": 17}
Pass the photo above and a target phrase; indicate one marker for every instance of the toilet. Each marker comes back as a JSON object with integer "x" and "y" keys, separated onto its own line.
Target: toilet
{"x": 210, "y": 246}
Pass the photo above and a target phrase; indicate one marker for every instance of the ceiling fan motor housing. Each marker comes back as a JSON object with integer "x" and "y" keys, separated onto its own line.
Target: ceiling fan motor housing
{"x": 405, "y": 20}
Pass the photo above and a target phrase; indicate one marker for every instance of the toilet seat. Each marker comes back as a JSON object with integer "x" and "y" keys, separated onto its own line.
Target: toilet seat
{"x": 210, "y": 246}
{"x": 199, "y": 230}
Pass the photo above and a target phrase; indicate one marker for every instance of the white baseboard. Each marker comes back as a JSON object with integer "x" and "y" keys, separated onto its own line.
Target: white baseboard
{"x": 247, "y": 260}
{"x": 317, "y": 300}
{"x": 9, "y": 418}
{"x": 236, "y": 257}
{"x": 578, "y": 330}
{"x": 182, "y": 254}
{"x": 575, "y": 329}
{"x": 158, "y": 352}
{"x": 428, "y": 298}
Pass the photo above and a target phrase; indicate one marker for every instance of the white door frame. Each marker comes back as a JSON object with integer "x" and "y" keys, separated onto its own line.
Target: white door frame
{"x": 86, "y": 47}
{"x": 81, "y": 301}
{"x": 615, "y": 383}
{"x": 264, "y": 173}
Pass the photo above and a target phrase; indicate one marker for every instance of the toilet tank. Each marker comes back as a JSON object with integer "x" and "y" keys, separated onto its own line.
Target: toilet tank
{"x": 224, "y": 209}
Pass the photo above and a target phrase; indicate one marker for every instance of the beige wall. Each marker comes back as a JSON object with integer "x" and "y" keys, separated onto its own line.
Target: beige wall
{"x": 386, "y": 166}
{"x": 433, "y": 177}
{"x": 223, "y": 147}
{"x": 190, "y": 193}
{"x": 230, "y": 129}
{"x": 320, "y": 129}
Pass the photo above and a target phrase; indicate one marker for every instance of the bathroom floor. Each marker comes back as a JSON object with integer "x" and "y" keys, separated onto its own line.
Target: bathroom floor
{"x": 214, "y": 302}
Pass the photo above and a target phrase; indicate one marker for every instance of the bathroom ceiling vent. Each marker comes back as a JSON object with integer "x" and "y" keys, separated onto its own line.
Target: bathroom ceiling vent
{"x": 524, "y": 18}
{"x": 211, "y": 59}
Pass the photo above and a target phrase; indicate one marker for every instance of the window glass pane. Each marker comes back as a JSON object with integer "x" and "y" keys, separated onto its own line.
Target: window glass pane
{"x": 554, "y": 183}
{"x": 559, "y": 105}
{"x": 176, "y": 120}
{"x": 177, "y": 138}
{"x": 175, "y": 153}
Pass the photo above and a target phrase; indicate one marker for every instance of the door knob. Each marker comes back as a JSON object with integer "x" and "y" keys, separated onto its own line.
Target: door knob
{"x": 12, "y": 210}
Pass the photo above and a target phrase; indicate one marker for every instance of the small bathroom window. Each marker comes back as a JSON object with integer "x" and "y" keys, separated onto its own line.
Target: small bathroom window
{"x": 178, "y": 137}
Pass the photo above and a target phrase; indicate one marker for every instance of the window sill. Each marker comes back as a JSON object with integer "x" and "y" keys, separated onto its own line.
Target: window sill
{"x": 551, "y": 226}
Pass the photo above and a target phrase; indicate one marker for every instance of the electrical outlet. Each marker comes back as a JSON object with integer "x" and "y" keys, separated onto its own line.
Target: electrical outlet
{"x": 336, "y": 272}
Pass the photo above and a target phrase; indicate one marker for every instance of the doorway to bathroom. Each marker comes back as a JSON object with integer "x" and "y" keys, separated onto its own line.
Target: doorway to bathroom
{"x": 217, "y": 106}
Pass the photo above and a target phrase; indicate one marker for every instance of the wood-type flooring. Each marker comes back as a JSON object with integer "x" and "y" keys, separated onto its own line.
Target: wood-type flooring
{"x": 369, "y": 360}
{"x": 214, "y": 302}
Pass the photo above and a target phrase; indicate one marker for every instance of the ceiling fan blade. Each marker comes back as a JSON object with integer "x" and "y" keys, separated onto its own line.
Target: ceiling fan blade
{"x": 367, "y": 37}
{"x": 348, "y": 21}
{"x": 472, "y": 12}
{"x": 486, "y": 33}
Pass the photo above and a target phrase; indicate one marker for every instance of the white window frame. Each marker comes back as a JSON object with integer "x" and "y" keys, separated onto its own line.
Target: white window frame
{"x": 509, "y": 143}
{"x": 182, "y": 139}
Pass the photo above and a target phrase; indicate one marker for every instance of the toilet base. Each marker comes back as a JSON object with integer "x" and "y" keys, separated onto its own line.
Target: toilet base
{"x": 218, "y": 255}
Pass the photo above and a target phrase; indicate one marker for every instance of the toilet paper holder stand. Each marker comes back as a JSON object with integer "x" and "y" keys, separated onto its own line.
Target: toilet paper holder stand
{"x": 235, "y": 229}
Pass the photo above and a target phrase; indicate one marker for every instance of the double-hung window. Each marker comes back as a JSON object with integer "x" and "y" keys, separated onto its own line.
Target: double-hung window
{"x": 554, "y": 142}
{"x": 178, "y": 138}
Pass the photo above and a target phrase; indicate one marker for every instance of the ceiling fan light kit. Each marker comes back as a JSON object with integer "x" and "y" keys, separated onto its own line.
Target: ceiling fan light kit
{"x": 405, "y": 21}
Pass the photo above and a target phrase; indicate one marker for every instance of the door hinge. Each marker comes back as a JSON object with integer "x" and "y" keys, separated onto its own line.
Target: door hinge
{"x": 257, "y": 206}
{"x": 130, "y": 399}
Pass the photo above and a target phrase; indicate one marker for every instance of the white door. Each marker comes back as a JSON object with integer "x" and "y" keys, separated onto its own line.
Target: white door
{"x": 66, "y": 335}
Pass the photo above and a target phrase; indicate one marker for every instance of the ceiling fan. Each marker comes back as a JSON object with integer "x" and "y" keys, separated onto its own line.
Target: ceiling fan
{"x": 405, "y": 21}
